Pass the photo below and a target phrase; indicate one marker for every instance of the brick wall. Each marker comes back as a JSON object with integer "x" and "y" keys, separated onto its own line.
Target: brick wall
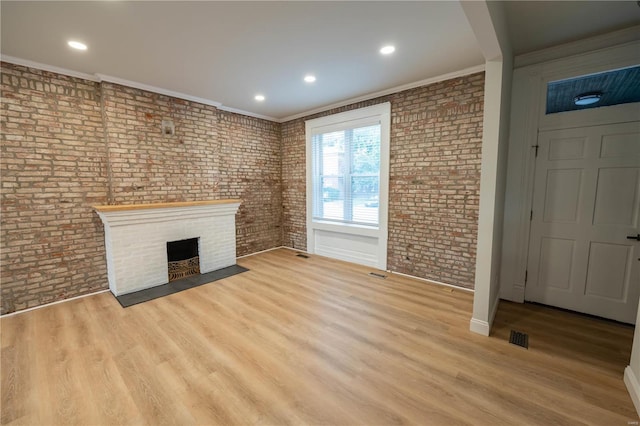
{"x": 53, "y": 169}
{"x": 436, "y": 138}
{"x": 148, "y": 167}
{"x": 68, "y": 144}
{"x": 214, "y": 154}
{"x": 251, "y": 150}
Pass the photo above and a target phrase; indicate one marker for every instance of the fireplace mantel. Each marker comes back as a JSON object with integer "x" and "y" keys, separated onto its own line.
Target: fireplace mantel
{"x": 128, "y": 214}
{"x": 136, "y": 236}
{"x": 125, "y": 207}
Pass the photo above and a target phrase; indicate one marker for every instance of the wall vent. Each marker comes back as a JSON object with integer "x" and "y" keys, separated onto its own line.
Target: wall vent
{"x": 376, "y": 275}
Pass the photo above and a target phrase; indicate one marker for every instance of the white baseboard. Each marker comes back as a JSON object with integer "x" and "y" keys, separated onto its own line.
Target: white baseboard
{"x": 484, "y": 327}
{"x": 479, "y": 326}
{"x": 469, "y": 290}
{"x": 633, "y": 386}
{"x": 53, "y": 303}
{"x": 271, "y": 249}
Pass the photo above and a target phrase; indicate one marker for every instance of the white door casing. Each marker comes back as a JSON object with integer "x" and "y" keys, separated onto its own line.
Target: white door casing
{"x": 586, "y": 203}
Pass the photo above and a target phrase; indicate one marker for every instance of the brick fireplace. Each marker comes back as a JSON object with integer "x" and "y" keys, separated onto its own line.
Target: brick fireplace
{"x": 136, "y": 238}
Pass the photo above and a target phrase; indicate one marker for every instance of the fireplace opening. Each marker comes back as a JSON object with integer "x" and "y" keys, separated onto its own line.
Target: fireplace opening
{"x": 183, "y": 258}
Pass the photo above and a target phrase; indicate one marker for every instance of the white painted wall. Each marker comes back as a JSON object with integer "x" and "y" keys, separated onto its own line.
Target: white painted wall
{"x": 488, "y": 21}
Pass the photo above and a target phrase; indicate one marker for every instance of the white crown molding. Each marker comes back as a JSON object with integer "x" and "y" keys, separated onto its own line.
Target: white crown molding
{"x": 142, "y": 86}
{"x": 155, "y": 89}
{"x": 249, "y": 113}
{"x": 396, "y": 89}
{"x": 50, "y": 68}
{"x": 577, "y": 47}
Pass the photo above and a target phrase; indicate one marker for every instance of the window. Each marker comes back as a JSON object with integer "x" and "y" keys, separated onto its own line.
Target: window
{"x": 346, "y": 175}
{"x": 347, "y": 184}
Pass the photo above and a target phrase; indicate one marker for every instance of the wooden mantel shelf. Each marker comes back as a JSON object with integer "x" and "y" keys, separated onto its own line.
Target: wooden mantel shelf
{"x": 125, "y": 207}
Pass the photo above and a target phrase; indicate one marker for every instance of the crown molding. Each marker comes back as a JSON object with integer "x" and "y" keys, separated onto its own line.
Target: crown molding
{"x": 142, "y": 86}
{"x": 585, "y": 45}
{"x": 50, "y": 68}
{"x": 155, "y": 89}
{"x": 249, "y": 113}
{"x": 396, "y": 89}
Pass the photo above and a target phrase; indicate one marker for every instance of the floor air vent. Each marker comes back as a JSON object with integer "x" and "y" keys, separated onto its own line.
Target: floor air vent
{"x": 375, "y": 275}
{"x": 304, "y": 256}
{"x": 519, "y": 339}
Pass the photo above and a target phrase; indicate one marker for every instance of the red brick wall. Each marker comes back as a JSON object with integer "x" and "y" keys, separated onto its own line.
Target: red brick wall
{"x": 68, "y": 144}
{"x": 250, "y": 150}
{"x": 214, "y": 154}
{"x": 53, "y": 168}
{"x": 147, "y": 167}
{"x": 436, "y": 137}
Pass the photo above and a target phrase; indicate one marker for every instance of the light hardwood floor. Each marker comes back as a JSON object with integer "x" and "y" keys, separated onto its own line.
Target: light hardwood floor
{"x": 309, "y": 341}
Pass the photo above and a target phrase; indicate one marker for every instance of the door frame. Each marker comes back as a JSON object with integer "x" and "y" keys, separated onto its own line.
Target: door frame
{"x": 527, "y": 119}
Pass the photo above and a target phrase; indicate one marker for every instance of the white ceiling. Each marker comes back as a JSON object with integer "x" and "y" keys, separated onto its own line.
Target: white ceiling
{"x": 227, "y": 52}
{"x": 535, "y": 25}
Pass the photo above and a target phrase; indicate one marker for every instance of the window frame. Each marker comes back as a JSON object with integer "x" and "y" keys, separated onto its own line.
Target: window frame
{"x": 376, "y": 113}
{"x": 347, "y": 178}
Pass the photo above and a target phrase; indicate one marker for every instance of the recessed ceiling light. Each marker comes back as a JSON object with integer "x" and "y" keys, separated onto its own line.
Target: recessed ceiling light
{"x": 309, "y": 78}
{"x": 259, "y": 98}
{"x": 387, "y": 50}
{"x": 77, "y": 45}
{"x": 587, "y": 98}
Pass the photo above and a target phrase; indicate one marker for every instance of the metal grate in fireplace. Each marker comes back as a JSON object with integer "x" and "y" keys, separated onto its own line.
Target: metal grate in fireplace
{"x": 183, "y": 259}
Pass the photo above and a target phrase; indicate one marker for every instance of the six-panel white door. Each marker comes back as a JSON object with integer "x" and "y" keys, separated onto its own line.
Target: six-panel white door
{"x": 586, "y": 203}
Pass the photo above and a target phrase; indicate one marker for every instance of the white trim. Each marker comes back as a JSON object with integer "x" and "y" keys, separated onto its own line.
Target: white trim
{"x": 50, "y": 68}
{"x": 53, "y": 303}
{"x": 142, "y": 86}
{"x": 456, "y": 287}
{"x": 396, "y": 89}
{"x": 581, "y": 46}
{"x": 527, "y": 119}
{"x": 248, "y": 113}
{"x": 479, "y": 327}
{"x": 484, "y": 327}
{"x": 494, "y": 310}
{"x": 107, "y": 290}
{"x": 633, "y": 386}
{"x": 155, "y": 89}
{"x": 261, "y": 251}
{"x": 382, "y": 112}
{"x": 439, "y": 283}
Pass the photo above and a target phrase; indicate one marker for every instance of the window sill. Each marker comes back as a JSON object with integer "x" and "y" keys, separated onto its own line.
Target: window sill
{"x": 346, "y": 228}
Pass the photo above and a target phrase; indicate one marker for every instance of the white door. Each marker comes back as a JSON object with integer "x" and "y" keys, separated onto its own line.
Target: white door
{"x": 586, "y": 204}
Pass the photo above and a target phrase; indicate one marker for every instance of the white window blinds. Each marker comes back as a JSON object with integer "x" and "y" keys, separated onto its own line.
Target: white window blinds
{"x": 346, "y": 173}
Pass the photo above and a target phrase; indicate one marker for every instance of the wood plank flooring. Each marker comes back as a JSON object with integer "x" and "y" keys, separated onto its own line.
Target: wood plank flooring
{"x": 309, "y": 341}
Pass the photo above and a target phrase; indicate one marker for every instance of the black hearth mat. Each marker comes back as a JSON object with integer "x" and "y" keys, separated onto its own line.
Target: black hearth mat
{"x": 131, "y": 299}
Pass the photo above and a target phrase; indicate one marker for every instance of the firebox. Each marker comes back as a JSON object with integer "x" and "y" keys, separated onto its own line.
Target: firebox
{"x": 183, "y": 258}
